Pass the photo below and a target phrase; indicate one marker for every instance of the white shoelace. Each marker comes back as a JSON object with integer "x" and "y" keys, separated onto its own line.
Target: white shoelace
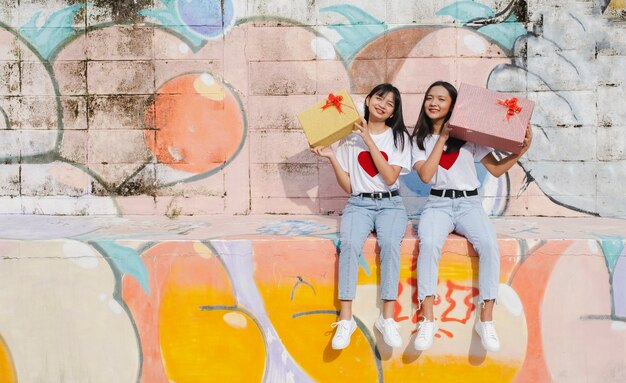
{"x": 489, "y": 331}
{"x": 344, "y": 327}
{"x": 391, "y": 323}
{"x": 426, "y": 330}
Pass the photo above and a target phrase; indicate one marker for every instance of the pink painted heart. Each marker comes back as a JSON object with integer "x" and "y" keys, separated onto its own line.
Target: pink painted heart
{"x": 448, "y": 159}
{"x": 367, "y": 163}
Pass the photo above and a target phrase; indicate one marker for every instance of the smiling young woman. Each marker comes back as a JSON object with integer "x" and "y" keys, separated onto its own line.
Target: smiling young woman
{"x": 368, "y": 164}
{"x": 447, "y": 165}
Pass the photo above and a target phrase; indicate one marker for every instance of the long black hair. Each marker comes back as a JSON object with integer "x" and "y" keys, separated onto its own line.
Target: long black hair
{"x": 396, "y": 120}
{"x": 424, "y": 125}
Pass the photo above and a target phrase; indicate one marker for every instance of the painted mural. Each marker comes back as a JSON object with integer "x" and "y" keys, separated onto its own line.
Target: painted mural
{"x": 188, "y": 106}
{"x": 109, "y": 304}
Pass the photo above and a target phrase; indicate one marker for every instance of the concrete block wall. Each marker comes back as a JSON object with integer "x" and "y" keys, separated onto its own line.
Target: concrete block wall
{"x": 188, "y": 107}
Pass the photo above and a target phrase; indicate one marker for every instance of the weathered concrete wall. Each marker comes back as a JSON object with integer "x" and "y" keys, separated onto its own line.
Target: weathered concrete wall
{"x": 188, "y": 107}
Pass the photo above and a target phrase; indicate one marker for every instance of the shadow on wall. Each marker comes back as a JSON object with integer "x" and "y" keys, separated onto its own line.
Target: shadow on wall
{"x": 300, "y": 181}
{"x": 310, "y": 184}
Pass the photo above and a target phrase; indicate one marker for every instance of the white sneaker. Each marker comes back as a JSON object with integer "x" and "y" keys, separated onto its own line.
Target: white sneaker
{"x": 344, "y": 331}
{"x": 425, "y": 335}
{"x": 488, "y": 336}
{"x": 389, "y": 329}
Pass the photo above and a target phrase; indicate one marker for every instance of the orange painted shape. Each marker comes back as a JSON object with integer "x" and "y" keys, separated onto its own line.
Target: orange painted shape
{"x": 197, "y": 127}
{"x": 172, "y": 266}
{"x": 530, "y": 282}
{"x": 199, "y": 345}
{"x": 509, "y": 258}
{"x": 394, "y": 44}
{"x": 278, "y": 263}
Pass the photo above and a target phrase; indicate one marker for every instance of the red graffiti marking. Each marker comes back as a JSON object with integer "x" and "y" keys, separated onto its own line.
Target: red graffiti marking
{"x": 444, "y": 332}
{"x": 451, "y": 288}
{"x": 472, "y": 292}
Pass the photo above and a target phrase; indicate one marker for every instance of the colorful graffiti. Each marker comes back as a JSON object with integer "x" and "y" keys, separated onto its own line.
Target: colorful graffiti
{"x": 187, "y": 107}
{"x": 142, "y": 310}
{"x": 192, "y": 111}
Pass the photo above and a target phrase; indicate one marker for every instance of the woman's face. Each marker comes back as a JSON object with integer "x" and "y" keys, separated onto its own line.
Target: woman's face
{"x": 437, "y": 103}
{"x": 381, "y": 107}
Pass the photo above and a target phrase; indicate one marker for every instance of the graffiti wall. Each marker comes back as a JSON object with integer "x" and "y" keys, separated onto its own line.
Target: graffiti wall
{"x": 179, "y": 107}
{"x": 200, "y": 302}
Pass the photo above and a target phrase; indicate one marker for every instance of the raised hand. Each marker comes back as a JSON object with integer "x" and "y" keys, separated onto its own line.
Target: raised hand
{"x": 444, "y": 133}
{"x": 363, "y": 131}
{"x": 528, "y": 138}
{"x": 323, "y": 151}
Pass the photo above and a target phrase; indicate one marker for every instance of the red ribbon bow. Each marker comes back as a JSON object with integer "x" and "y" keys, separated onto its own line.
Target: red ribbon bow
{"x": 511, "y": 103}
{"x": 333, "y": 100}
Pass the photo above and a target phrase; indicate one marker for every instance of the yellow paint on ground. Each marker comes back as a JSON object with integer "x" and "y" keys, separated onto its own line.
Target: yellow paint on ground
{"x": 308, "y": 338}
{"x": 7, "y": 372}
{"x": 201, "y": 346}
{"x": 197, "y": 344}
{"x": 444, "y": 369}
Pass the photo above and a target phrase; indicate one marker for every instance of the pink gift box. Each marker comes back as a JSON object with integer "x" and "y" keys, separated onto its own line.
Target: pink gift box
{"x": 490, "y": 118}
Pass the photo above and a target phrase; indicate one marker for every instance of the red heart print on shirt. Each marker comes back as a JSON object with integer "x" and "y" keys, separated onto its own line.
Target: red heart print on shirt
{"x": 367, "y": 163}
{"x": 448, "y": 159}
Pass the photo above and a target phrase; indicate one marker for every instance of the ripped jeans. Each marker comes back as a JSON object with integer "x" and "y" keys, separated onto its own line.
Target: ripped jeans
{"x": 362, "y": 215}
{"x": 466, "y": 217}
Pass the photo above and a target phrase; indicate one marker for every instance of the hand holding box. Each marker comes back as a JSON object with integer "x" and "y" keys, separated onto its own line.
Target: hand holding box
{"x": 329, "y": 120}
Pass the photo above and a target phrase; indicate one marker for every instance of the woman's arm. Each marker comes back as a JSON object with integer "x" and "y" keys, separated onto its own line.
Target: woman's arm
{"x": 343, "y": 177}
{"x": 499, "y": 167}
{"x": 390, "y": 173}
{"x": 428, "y": 168}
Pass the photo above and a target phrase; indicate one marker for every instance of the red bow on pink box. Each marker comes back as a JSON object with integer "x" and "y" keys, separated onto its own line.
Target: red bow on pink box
{"x": 510, "y": 103}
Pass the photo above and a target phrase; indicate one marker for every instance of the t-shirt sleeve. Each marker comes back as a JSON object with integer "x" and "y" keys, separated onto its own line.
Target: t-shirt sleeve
{"x": 481, "y": 151}
{"x": 402, "y": 156}
{"x": 417, "y": 154}
{"x": 342, "y": 154}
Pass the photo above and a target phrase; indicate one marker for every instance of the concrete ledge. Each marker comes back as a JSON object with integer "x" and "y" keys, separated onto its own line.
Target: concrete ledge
{"x": 229, "y": 226}
{"x": 251, "y": 299}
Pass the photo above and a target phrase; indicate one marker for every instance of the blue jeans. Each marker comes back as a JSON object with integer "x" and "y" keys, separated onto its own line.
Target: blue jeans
{"x": 362, "y": 215}
{"x": 466, "y": 217}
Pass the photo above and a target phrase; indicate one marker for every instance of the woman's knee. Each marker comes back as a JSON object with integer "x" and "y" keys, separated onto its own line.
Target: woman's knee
{"x": 487, "y": 247}
{"x": 387, "y": 244}
{"x": 351, "y": 244}
{"x": 430, "y": 245}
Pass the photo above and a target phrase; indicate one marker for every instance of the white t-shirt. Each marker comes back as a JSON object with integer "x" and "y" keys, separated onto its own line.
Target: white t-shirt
{"x": 455, "y": 170}
{"x": 355, "y": 158}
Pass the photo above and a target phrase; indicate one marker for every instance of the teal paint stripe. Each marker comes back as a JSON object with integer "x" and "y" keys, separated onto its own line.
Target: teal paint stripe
{"x": 127, "y": 261}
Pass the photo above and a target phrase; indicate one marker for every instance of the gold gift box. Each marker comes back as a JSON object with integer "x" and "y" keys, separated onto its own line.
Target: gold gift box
{"x": 329, "y": 120}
